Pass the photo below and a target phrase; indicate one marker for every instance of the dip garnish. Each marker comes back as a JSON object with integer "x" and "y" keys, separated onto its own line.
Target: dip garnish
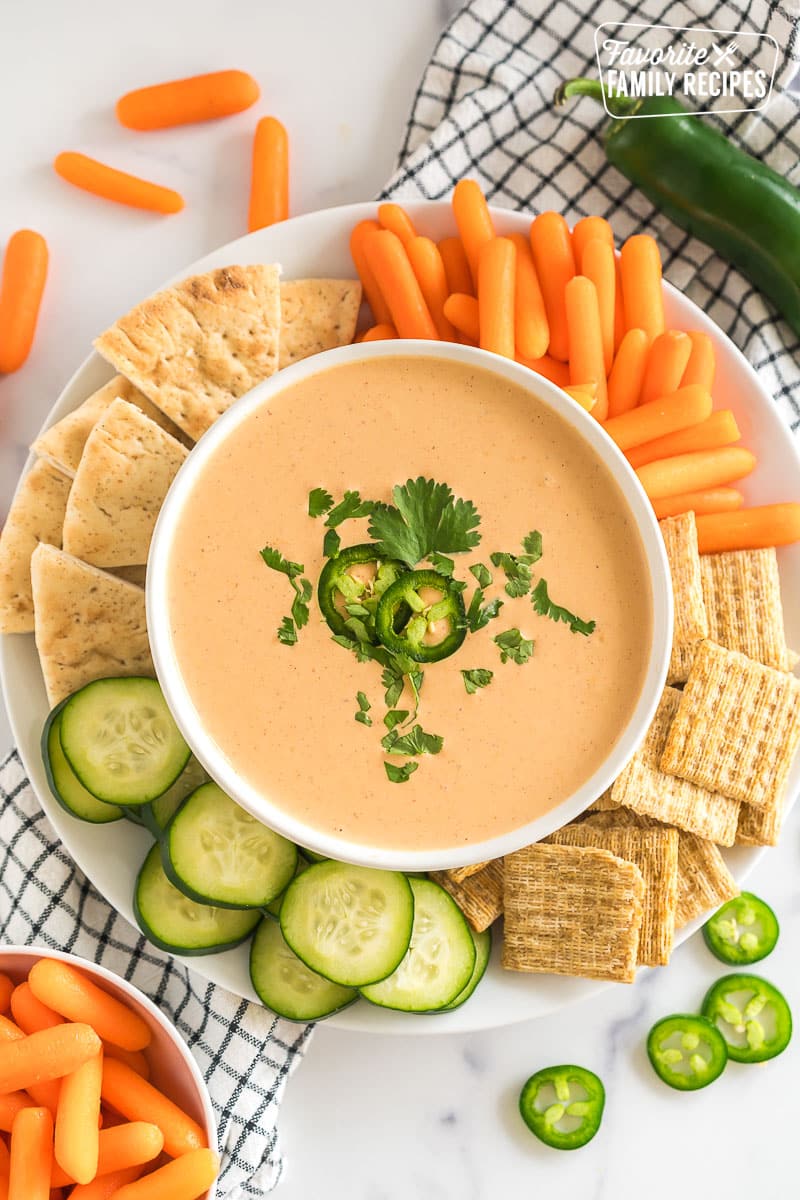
{"x": 480, "y": 677}
{"x": 351, "y": 506}
{"x": 482, "y": 574}
{"x": 426, "y": 518}
{"x": 544, "y": 606}
{"x": 287, "y": 631}
{"x": 514, "y": 646}
{"x": 400, "y": 774}
{"x": 363, "y": 709}
{"x": 415, "y": 742}
{"x": 477, "y": 616}
{"x": 319, "y": 502}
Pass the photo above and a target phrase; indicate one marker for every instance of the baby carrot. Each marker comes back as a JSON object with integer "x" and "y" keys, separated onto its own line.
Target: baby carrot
{"x": 397, "y": 220}
{"x": 462, "y": 312}
{"x": 557, "y": 372}
{"x": 184, "y": 101}
{"x": 627, "y": 373}
{"x": 456, "y": 266}
{"x": 10, "y": 1104}
{"x": 105, "y": 1187}
{"x": 69, "y": 992}
{"x": 102, "y": 180}
{"x": 666, "y": 362}
{"x": 184, "y": 1179}
{"x": 720, "y": 429}
{"x": 120, "y": 1147}
{"x": 531, "y": 331}
{"x": 269, "y": 178}
{"x": 584, "y": 393}
{"x": 379, "y": 333}
{"x": 6, "y": 988}
{"x": 687, "y": 406}
{"x": 590, "y": 229}
{"x": 21, "y": 288}
{"x": 387, "y": 258}
{"x": 749, "y": 529}
{"x": 31, "y": 1155}
{"x": 48, "y": 1054}
{"x": 426, "y": 263}
{"x": 640, "y": 266}
{"x": 29, "y": 1013}
{"x": 496, "y": 285}
{"x": 138, "y": 1100}
{"x": 474, "y": 222}
{"x": 696, "y": 472}
{"x": 619, "y": 307}
{"x": 43, "y": 1095}
{"x": 555, "y": 266}
{"x": 77, "y": 1132}
{"x": 586, "y": 362}
{"x": 380, "y": 309}
{"x": 702, "y": 362}
{"x": 712, "y": 500}
{"x": 599, "y": 265}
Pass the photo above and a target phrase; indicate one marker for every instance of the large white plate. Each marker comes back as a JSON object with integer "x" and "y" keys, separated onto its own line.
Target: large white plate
{"x": 317, "y": 244}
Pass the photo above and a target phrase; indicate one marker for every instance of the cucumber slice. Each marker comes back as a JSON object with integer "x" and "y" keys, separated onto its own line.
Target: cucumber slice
{"x": 121, "y": 741}
{"x": 350, "y": 924}
{"x": 217, "y": 853}
{"x": 64, "y": 783}
{"x": 179, "y": 925}
{"x": 287, "y": 985}
{"x": 440, "y": 959}
{"x": 157, "y": 814}
{"x": 483, "y": 950}
{"x": 273, "y": 909}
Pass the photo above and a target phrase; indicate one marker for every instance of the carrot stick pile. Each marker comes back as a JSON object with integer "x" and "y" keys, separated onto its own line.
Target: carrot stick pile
{"x": 78, "y": 1115}
{"x": 590, "y": 318}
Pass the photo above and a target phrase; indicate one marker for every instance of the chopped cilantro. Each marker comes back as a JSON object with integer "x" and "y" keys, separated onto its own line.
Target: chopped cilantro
{"x": 393, "y": 680}
{"x": 319, "y": 502}
{"x": 445, "y": 566}
{"x": 532, "y": 545}
{"x": 331, "y": 544}
{"x": 482, "y": 574}
{"x": 274, "y": 559}
{"x": 545, "y": 607}
{"x": 363, "y": 709}
{"x": 351, "y": 506}
{"x": 287, "y": 634}
{"x": 477, "y": 616}
{"x": 513, "y": 645}
{"x": 415, "y": 742}
{"x": 426, "y": 518}
{"x": 516, "y": 571}
{"x": 400, "y": 774}
{"x": 395, "y": 716}
{"x": 300, "y": 603}
{"x": 477, "y": 678}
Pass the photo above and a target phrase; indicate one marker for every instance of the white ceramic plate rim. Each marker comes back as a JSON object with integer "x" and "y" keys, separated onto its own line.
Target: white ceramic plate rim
{"x": 504, "y": 997}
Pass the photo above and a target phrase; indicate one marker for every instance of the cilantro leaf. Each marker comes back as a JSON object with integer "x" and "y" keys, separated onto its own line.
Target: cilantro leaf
{"x": 532, "y": 545}
{"x": 300, "y": 602}
{"x": 287, "y": 634}
{"x": 351, "y": 506}
{"x": 363, "y": 709}
{"x": 395, "y": 716}
{"x": 478, "y": 617}
{"x": 478, "y": 678}
{"x": 545, "y": 607}
{"x": 274, "y": 559}
{"x": 393, "y": 681}
{"x": 482, "y": 574}
{"x": 445, "y": 566}
{"x": 516, "y": 571}
{"x": 424, "y": 519}
{"x": 331, "y": 544}
{"x": 319, "y": 502}
{"x": 513, "y": 645}
{"x": 415, "y": 742}
{"x": 400, "y": 774}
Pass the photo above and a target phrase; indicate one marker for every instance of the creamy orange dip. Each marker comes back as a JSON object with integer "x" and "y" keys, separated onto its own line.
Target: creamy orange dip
{"x": 284, "y": 715}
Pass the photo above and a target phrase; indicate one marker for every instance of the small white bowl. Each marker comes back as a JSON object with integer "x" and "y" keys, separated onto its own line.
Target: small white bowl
{"x": 173, "y": 1069}
{"x": 190, "y": 720}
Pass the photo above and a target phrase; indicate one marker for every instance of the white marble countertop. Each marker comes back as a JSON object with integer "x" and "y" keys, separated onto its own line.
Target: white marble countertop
{"x": 366, "y": 1117}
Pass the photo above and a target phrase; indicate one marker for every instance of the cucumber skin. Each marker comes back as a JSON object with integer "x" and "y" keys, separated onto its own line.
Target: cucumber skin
{"x": 284, "y": 1015}
{"x": 476, "y": 979}
{"x": 51, "y": 781}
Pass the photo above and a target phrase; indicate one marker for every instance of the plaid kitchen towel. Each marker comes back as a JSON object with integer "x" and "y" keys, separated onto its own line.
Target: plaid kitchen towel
{"x": 485, "y": 109}
{"x": 245, "y": 1053}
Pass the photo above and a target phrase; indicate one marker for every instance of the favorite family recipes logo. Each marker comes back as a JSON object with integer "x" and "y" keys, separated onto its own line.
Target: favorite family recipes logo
{"x": 703, "y": 69}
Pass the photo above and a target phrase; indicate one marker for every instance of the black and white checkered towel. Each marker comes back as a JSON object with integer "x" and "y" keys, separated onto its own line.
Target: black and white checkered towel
{"x": 483, "y": 110}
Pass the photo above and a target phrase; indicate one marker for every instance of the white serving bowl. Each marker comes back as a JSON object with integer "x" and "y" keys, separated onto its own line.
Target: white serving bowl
{"x": 173, "y": 1069}
{"x": 190, "y": 720}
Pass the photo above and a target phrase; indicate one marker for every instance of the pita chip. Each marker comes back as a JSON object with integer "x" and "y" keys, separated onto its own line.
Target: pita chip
{"x": 317, "y": 315}
{"x": 36, "y": 515}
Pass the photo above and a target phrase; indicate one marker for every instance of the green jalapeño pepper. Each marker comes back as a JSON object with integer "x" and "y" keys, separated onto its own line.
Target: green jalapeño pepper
{"x": 752, "y": 1016}
{"x": 743, "y": 931}
{"x": 731, "y": 201}
{"x": 422, "y": 616}
{"x": 563, "y": 1106}
{"x": 351, "y": 585}
{"x": 686, "y": 1052}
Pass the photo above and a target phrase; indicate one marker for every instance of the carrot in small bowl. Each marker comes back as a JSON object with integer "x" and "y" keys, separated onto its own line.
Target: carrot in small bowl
{"x": 21, "y": 289}
{"x": 72, "y": 994}
{"x": 110, "y": 184}
{"x": 31, "y": 1155}
{"x": 185, "y": 101}
{"x": 77, "y": 1131}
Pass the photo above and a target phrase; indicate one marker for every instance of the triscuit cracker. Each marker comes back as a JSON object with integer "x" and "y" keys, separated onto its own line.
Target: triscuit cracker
{"x": 316, "y": 315}
{"x": 736, "y": 729}
{"x": 459, "y": 874}
{"x": 655, "y": 853}
{"x": 480, "y": 896}
{"x": 691, "y": 622}
{"x": 89, "y": 625}
{"x": 743, "y": 599}
{"x": 644, "y": 786}
{"x": 760, "y": 826}
{"x": 195, "y": 348}
{"x": 36, "y": 515}
{"x": 63, "y": 442}
{"x": 571, "y": 910}
{"x": 123, "y": 477}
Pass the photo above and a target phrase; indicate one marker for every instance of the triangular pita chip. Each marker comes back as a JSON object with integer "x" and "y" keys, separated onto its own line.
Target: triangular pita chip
{"x": 126, "y": 468}
{"x": 36, "y": 515}
{"x": 89, "y": 625}
{"x": 195, "y": 348}
{"x": 316, "y": 315}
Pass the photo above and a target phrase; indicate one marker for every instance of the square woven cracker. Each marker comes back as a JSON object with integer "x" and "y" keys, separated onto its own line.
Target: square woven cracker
{"x": 644, "y": 786}
{"x": 743, "y": 599}
{"x": 736, "y": 729}
{"x": 691, "y": 621}
{"x": 760, "y": 826}
{"x": 655, "y": 853}
{"x": 479, "y": 896}
{"x": 571, "y": 910}
{"x": 459, "y": 874}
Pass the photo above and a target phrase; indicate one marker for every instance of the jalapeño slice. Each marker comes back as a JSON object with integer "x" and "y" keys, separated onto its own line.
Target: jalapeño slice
{"x": 421, "y": 615}
{"x": 356, "y": 579}
{"x": 563, "y": 1106}
{"x": 751, "y": 1015}
{"x": 743, "y": 931}
{"x": 686, "y": 1051}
